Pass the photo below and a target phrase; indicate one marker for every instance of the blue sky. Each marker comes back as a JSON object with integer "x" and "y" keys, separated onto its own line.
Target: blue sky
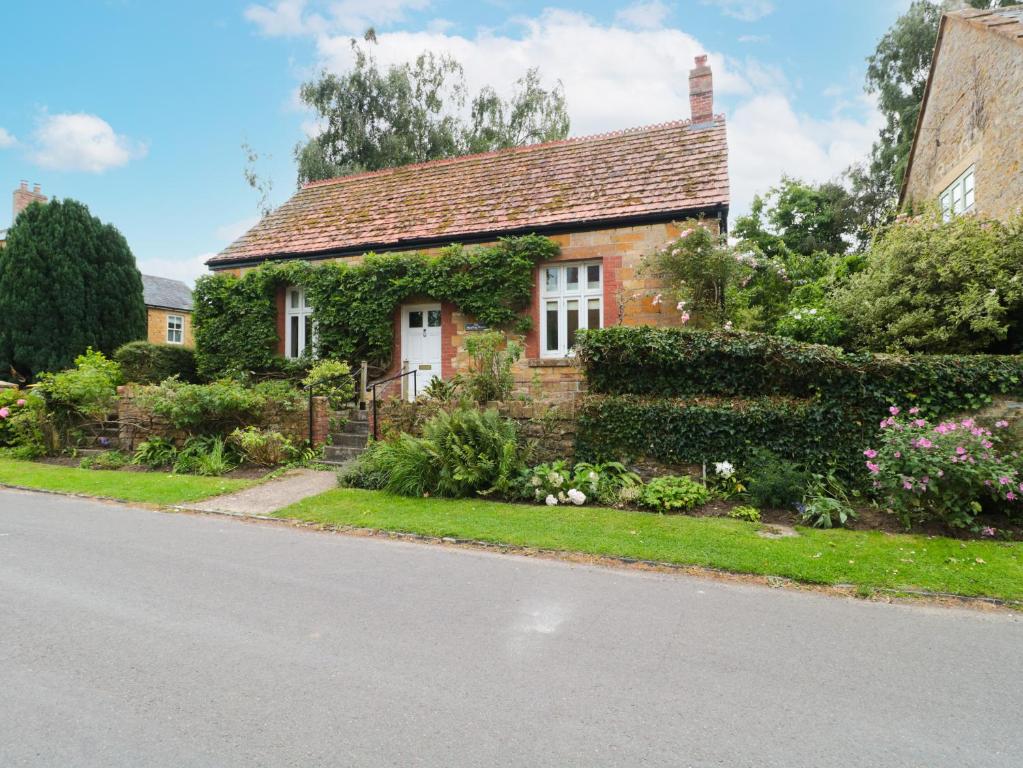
{"x": 139, "y": 108}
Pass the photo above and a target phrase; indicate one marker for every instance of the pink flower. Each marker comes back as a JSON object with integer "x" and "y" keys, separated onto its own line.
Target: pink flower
{"x": 4, "y": 413}
{"x": 898, "y": 454}
{"x": 976, "y": 431}
{"x": 874, "y": 468}
{"x": 680, "y": 306}
{"x": 1010, "y": 496}
{"x": 923, "y": 442}
{"x": 914, "y": 411}
{"x": 960, "y": 450}
{"x": 685, "y": 318}
{"x": 941, "y": 473}
{"x": 20, "y": 402}
{"x": 894, "y": 410}
{"x": 925, "y": 479}
{"x": 657, "y": 300}
{"x": 685, "y": 233}
{"x": 988, "y": 531}
{"x": 884, "y": 423}
{"x": 907, "y": 484}
{"x": 968, "y": 423}
{"x": 919, "y": 423}
{"x": 870, "y": 453}
{"x": 986, "y": 443}
{"x": 1001, "y": 423}
{"x": 1003, "y": 480}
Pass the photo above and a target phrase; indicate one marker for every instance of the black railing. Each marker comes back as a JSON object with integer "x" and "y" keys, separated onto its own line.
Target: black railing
{"x": 360, "y": 393}
{"x": 373, "y": 388}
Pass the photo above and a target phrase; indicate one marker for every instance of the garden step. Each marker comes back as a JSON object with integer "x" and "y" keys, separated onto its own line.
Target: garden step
{"x": 355, "y": 428}
{"x": 341, "y": 453}
{"x": 349, "y": 441}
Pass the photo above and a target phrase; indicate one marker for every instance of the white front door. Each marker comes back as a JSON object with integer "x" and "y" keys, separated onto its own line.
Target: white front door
{"x": 421, "y": 345}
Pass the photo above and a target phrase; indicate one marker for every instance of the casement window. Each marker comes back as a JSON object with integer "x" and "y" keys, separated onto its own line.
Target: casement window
{"x": 175, "y": 329}
{"x": 959, "y": 196}
{"x": 571, "y": 299}
{"x": 299, "y": 334}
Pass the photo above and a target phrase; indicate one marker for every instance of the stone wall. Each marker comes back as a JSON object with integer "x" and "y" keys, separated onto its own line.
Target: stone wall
{"x": 973, "y": 116}
{"x": 137, "y": 424}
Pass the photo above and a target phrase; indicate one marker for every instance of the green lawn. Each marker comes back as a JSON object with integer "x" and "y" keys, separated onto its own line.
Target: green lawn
{"x": 145, "y": 487}
{"x": 866, "y": 559}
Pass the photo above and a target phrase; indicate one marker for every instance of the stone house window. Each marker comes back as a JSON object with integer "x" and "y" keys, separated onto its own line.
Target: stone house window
{"x": 175, "y": 329}
{"x": 571, "y": 299}
{"x": 959, "y": 196}
{"x": 299, "y": 334}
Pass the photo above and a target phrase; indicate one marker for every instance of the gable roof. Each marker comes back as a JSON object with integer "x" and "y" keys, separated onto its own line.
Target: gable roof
{"x": 166, "y": 293}
{"x": 657, "y": 171}
{"x": 1006, "y": 22}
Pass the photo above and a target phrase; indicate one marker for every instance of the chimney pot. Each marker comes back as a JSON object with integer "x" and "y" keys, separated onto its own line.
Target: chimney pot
{"x": 36, "y": 189}
{"x": 24, "y": 184}
{"x": 701, "y": 91}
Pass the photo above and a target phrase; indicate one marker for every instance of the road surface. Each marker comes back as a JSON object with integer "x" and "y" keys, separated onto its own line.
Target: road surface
{"x": 131, "y": 637}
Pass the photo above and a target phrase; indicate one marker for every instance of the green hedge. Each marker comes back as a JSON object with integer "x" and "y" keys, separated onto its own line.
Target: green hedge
{"x": 692, "y": 431}
{"x": 685, "y": 363}
{"x": 145, "y": 363}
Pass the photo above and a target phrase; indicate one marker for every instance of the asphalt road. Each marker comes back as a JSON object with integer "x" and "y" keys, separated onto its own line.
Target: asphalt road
{"x": 138, "y": 638}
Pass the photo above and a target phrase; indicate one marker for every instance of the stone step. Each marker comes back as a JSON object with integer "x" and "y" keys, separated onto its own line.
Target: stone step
{"x": 349, "y": 441}
{"x": 355, "y": 428}
{"x": 339, "y": 453}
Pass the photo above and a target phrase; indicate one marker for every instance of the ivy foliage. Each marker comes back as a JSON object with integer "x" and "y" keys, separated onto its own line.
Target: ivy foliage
{"x": 354, "y": 304}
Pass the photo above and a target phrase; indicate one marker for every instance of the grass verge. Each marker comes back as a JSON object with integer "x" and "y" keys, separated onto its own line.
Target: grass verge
{"x": 865, "y": 559}
{"x": 142, "y": 487}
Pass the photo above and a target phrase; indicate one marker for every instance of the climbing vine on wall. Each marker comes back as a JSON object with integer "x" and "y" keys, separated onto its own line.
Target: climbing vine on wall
{"x": 354, "y": 304}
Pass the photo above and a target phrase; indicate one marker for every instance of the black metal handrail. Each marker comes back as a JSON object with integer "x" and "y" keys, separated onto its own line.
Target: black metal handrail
{"x": 311, "y": 390}
{"x": 375, "y": 384}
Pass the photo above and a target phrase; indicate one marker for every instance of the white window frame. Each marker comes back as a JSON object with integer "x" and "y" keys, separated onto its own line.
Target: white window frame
{"x": 301, "y": 309}
{"x": 960, "y": 196}
{"x": 172, "y": 331}
{"x": 562, "y": 294}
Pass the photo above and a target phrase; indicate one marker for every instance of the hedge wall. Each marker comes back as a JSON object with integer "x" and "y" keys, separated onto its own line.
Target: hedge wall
{"x": 683, "y": 396}
{"x": 674, "y": 362}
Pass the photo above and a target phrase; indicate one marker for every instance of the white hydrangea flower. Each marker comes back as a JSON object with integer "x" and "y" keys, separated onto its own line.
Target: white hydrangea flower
{"x": 724, "y": 469}
{"x": 535, "y": 480}
{"x": 555, "y": 479}
{"x": 577, "y": 497}
{"x": 551, "y": 501}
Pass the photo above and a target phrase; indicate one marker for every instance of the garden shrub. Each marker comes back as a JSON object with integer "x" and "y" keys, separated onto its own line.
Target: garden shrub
{"x": 672, "y": 493}
{"x": 332, "y": 379}
{"x": 826, "y": 503}
{"x": 106, "y": 460}
{"x": 207, "y": 455}
{"x": 775, "y": 482}
{"x": 938, "y": 286}
{"x": 22, "y": 424}
{"x": 951, "y": 471}
{"x": 558, "y": 482}
{"x": 265, "y": 447}
{"x": 745, "y": 513}
{"x": 218, "y": 407}
{"x": 155, "y": 452}
{"x": 365, "y": 471}
{"x": 354, "y": 304}
{"x": 462, "y": 453}
{"x": 87, "y": 392}
{"x": 490, "y": 377}
{"x": 145, "y": 363}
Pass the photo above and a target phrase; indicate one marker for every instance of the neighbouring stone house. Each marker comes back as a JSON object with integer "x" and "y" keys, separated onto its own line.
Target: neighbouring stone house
{"x": 23, "y": 197}
{"x": 168, "y": 310}
{"x": 967, "y": 152}
{"x": 607, "y": 200}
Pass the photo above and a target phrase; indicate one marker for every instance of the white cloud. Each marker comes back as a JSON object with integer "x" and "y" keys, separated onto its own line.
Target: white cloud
{"x": 643, "y": 15}
{"x": 7, "y": 139}
{"x": 754, "y": 38}
{"x": 642, "y": 77}
{"x": 81, "y": 142}
{"x": 290, "y": 18}
{"x": 744, "y": 10}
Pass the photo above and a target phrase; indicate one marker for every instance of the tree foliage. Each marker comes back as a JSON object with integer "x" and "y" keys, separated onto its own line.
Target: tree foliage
{"x": 67, "y": 282}
{"x": 412, "y": 112}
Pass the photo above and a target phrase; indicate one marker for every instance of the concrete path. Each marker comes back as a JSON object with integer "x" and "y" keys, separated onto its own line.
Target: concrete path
{"x": 266, "y": 498}
{"x": 134, "y": 637}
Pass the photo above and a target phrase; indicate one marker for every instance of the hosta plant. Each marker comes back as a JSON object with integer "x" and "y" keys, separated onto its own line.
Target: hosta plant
{"x": 673, "y": 494}
{"x": 950, "y": 471}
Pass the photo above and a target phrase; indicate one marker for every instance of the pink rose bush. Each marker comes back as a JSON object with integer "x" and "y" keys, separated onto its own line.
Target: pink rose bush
{"x": 21, "y": 419}
{"x": 949, "y": 471}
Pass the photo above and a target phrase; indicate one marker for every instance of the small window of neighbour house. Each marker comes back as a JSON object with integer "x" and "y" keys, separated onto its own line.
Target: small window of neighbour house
{"x": 960, "y": 195}
{"x": 299, "y": 334}
{"x": 571, "y": 299}
{"x": 175, "y": 329}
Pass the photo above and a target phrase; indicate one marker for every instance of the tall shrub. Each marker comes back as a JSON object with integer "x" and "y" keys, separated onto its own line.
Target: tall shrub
{"x": 67, "y": 282}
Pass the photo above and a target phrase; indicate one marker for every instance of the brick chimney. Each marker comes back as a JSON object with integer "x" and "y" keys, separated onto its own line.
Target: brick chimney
{"x": 701, "y": 91}
{"x": 23, "y": 197}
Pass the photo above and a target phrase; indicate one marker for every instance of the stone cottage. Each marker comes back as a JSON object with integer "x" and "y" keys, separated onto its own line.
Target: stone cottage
{"x": 607, "y": 200}
{"x": 967, "y": 152}
{"x": 168, "y": 310}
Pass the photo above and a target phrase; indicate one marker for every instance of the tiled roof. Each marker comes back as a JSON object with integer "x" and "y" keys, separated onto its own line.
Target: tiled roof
{"x": 1004, "y": 21}
{"x": 166, "y": 293}
{"x": 658, "y": 170}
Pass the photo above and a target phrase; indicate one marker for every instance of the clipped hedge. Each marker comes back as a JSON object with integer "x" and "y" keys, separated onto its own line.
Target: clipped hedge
{"x": 671, "y": 362}
{"x": 145, "y": 363}
{"x": 692, "y": 431}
